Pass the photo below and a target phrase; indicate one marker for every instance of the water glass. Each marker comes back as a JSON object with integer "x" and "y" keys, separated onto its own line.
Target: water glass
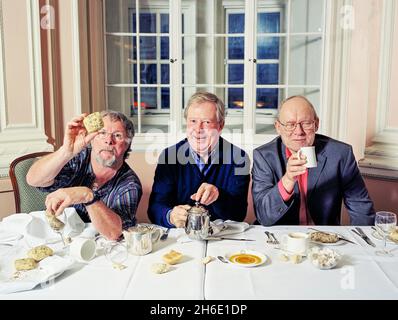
{"x": 385, "y": 223}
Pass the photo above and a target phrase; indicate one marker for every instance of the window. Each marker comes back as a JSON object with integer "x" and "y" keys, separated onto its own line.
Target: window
{"x": 253, "y": 60}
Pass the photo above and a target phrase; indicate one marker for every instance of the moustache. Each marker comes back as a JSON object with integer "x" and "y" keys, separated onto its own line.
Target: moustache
{"x": 108, "y": 150}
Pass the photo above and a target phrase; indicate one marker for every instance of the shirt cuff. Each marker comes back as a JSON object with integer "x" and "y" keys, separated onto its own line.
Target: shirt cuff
{"x": 168, "y": 216}
{"x": 285, "y": 195}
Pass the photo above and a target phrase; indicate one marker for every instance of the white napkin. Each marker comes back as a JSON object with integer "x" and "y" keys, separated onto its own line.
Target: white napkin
{"x": 38, "y": 231}
{"x": 48, "y": 269}
{"x": 222, "y": 228}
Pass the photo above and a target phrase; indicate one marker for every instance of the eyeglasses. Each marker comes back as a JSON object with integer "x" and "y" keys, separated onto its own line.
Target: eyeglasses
{"x": 117, "y": 136}
{"x": 305, "y": 125}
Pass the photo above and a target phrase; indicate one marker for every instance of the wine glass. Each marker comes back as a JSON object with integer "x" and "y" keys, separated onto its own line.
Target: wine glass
{"x": 385, "y": 223}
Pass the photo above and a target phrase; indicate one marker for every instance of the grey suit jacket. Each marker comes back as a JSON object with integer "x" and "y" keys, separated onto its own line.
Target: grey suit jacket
{"x": 336, "y": 178}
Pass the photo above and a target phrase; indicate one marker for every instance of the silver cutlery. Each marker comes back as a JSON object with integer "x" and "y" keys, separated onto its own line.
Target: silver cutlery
{"x": 224, "y": 238}
{"x": 269, "y": 237}
{"x": 362, "y": 235}
{"x": 222, "y": 259}
{"x": 275, "y": 239}
{"x": 165, "y": 235}
{"x": 339, "y": 236}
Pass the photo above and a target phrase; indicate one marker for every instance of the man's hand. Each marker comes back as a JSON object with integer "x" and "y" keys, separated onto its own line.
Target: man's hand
{"x": 76, "y": 137}
{"x": 178, "y": 215}
{"x": 63, "y": 198}
{"x": 206, "y": 194}
{"x": 294, "y": 168}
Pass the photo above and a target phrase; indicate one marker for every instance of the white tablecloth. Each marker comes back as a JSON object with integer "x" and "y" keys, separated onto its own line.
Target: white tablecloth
{"x": 360, "y": 275}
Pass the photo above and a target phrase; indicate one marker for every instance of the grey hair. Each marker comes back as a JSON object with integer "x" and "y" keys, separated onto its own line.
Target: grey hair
{"x": 127, "y": 124}
{"x": 200, "y": 97}
{"x": 301, "y": 97}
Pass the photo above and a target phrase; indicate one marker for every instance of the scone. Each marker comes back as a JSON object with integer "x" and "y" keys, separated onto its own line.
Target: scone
{"x": 39, "y": 253}
{"x": 25, "y": 264}
{"x": 93, "y": 122}
{"x": 54, "y": 222}
{"x": 172, "y": 257}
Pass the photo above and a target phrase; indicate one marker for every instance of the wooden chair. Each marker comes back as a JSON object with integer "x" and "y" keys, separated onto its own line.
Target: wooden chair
{"x": 27, "y": 198}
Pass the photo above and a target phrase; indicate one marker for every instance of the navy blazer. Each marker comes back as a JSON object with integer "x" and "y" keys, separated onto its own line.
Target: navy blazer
{"x": 177, "y": 177}
{"x": 336, "y": 178}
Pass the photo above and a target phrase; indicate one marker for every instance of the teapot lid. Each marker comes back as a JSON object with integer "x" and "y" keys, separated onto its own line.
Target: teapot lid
{"x": 197, "y": 209}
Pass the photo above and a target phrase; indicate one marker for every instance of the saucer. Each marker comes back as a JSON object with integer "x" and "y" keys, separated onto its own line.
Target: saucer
{"x": 246, "y": 258}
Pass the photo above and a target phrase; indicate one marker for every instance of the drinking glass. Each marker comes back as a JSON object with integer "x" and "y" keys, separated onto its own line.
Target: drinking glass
{"x": 385, "y": 223}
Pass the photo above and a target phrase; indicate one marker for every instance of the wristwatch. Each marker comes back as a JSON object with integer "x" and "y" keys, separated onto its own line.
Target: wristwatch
{"x": 96, "y": 198}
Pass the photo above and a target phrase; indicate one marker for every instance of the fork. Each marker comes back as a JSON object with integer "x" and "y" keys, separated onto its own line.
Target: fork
{"x": 275, "y": 239}
{"x": 269, "y": 237}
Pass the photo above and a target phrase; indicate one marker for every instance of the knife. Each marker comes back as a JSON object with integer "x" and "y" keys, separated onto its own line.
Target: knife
{"x": 364, "y": 236}
{"x": 223, "y": 238}
{"x": 339, "y": 236}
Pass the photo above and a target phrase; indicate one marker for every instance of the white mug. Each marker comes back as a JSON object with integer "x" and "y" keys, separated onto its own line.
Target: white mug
{"x": 82, "y": 249}
{"x": 309, "y": 152}
{"x": 295, "y": 242}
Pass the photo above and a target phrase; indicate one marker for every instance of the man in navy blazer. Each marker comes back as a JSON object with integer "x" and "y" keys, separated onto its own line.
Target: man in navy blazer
{"x": 202, "y": 168}
{"x": 285, "y": 192}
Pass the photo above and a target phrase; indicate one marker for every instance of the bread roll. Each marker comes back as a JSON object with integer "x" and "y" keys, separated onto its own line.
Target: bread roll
{"x": 93, "y": 122}
{"x": 25, "y": 264}
{"x": 39, "y": 253}
{"x": 172, "y": 257}
{"x": 394, "y": 235}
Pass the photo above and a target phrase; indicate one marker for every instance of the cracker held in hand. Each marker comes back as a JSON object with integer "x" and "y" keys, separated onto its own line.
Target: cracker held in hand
{"x": 54, "y": 222}
{"x": 93, "y": 122}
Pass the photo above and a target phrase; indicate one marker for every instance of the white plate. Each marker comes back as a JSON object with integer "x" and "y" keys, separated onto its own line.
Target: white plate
{"x": 48, "y": 269}
{"x": 377, "y": 236}
{"x": 340, "y": 242}
{"x": 248, "y": 258}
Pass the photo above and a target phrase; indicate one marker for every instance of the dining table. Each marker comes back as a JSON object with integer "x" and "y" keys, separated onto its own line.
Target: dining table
{"x": 360, "y": 273}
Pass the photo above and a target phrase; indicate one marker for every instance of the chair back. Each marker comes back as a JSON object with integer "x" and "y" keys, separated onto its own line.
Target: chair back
{"x": 27, "y": 198}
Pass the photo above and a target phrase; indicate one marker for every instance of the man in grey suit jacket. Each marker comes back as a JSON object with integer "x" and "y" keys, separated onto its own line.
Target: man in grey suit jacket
{"x": 286, "y": 192}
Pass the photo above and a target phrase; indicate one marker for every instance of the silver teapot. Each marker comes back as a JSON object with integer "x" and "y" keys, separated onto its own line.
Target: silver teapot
{"x": 197, "y": 225}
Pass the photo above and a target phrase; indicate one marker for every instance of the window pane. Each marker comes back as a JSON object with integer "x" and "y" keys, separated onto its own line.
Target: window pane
{"x": 235, "y": 73}
{"x": 148, "y": 74}
{"x": 164, "y": 47}
{"x": 268, "y": 22}
{"x": 164, "y": 23}
{"x": 120, "y": 59}
{"x": 147, "y": 23}
{"x": 305, "y": 60}
{"x": 268, "y": 73}
{"x": 147, "y": 47}
{"x": 236, "y": 23}
{"x": 268, "y": 47}
{"x": 236, "y": 48}
{"x": 235, "y": 98}
{"x": 306, "y": 16}
{"x": 165, "y": 92}
{"x": 118, "y": 15}
{"x": 164, "y": 76}
{"x": 267, "y": 98}
{"x": 267, "y": 101}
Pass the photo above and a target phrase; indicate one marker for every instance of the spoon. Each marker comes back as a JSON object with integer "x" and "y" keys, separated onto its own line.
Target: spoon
{"x": 222, "y": 259}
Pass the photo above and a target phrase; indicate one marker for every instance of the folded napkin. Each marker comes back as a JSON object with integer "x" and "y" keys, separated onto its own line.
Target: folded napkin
{"x": 12, "y": 227}
{"x": 48, "y": 269}
{"x": 221, "y": 228}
